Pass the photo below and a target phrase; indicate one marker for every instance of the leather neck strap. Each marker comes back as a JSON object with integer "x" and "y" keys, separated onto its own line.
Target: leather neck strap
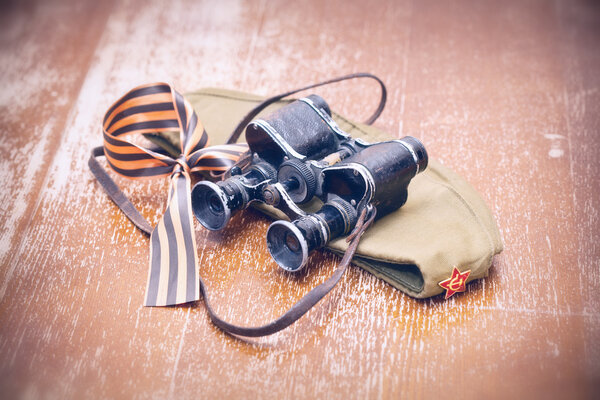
{"x": 304, "y": 304}
{"x": 312, "y": 297}
{"x": 237, "y": 132}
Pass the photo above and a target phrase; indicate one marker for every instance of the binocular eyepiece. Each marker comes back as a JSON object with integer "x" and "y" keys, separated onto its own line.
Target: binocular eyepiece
{"x": 214, "y": 203}
{"x": 290, "y": 243}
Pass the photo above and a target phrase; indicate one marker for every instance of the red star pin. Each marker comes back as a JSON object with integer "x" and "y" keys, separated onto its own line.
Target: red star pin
{"x": 456, "y": 283}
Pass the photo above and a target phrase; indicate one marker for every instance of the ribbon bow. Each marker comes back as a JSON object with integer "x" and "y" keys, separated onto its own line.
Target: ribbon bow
{"x": 173, "y": 273}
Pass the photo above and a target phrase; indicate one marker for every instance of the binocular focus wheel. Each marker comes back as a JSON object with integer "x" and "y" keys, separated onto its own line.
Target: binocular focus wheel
{"x": 300, "y": 178}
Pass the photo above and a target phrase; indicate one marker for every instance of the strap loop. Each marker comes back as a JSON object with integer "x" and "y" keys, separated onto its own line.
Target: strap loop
{"x": 235, "y": 135}
{"x": 304, "y": 304}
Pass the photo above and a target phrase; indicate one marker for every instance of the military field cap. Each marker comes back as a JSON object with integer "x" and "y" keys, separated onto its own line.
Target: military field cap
{"x": 442, "y": 238}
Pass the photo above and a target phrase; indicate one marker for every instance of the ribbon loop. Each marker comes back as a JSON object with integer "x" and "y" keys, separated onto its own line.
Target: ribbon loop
{"x": 182, "y": 165}
{"x": 173, "y": 272}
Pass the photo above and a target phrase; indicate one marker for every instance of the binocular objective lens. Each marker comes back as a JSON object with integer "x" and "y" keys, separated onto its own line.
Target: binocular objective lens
{"x": 292, "y": 242}
{"x": 215, "y": 203}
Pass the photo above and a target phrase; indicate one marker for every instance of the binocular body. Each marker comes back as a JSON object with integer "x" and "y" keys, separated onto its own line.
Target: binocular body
{"x": 299, "y": 153}
{"x": 289, "y": 147}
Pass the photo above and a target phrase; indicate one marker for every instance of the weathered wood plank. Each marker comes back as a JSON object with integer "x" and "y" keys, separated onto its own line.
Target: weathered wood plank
{"x": 504, "y": 93}
{"x": 581, "y": 96}
{"x": 45, "y": 52}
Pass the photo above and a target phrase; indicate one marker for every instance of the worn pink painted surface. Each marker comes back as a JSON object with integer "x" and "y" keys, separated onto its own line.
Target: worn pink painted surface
{"x": 505, "y": 93}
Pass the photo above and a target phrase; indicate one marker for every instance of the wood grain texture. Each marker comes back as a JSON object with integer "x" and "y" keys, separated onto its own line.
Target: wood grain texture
{"x": 505, "y": 93}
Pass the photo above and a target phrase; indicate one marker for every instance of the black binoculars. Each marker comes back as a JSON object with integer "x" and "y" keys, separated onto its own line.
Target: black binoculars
{"x": 299, "y": 153}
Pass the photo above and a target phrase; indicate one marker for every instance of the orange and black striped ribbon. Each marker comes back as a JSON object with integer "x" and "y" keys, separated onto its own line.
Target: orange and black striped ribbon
{"x": 173, "y": 273}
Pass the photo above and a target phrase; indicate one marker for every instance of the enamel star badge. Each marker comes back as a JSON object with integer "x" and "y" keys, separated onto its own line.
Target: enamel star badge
{"x": 456, "y": 283}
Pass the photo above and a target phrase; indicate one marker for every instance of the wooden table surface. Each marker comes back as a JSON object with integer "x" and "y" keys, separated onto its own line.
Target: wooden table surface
{"x": 506, "y": 93}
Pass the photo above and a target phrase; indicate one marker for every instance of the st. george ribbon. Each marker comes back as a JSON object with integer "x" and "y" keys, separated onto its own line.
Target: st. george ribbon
{"x": 173, "y": 273}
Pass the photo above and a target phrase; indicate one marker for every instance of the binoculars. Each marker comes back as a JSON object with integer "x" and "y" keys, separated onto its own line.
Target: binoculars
{"x": 299, "y": 153}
